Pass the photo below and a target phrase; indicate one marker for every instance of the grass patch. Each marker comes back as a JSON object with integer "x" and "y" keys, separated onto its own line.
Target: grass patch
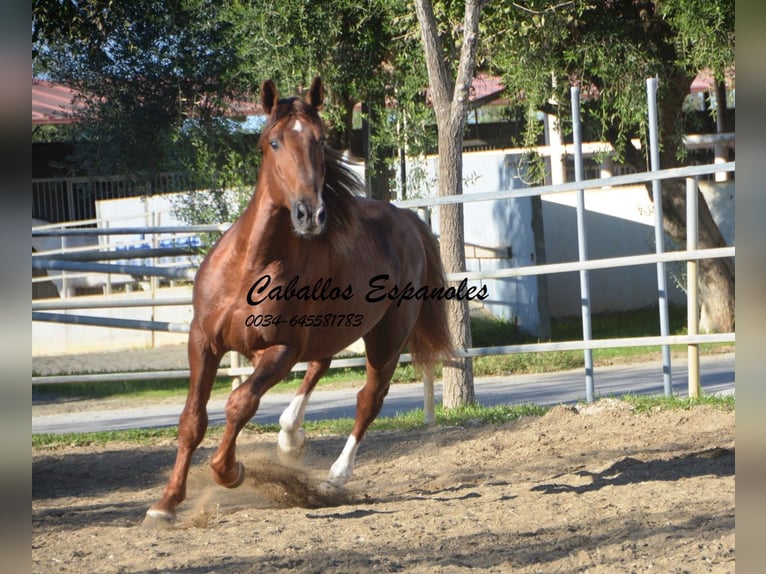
{"x": 645, "y": 404}
{"x": 148, "y": 389}
{"x": 472, "y": 415}
{"x": 136, "y": 436}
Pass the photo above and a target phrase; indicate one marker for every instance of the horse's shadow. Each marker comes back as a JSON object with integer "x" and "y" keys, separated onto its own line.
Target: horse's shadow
{"x": 628, "y": 470}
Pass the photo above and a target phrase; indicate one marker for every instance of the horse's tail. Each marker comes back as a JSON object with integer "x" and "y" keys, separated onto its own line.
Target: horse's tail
{"x": 430, "y": 340}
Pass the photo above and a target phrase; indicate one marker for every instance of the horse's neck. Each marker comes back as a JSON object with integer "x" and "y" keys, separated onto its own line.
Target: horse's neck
{"x": 265, "y": 229}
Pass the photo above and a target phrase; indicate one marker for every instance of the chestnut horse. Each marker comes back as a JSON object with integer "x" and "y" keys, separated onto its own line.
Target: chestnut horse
{"x": 308, "y": 268}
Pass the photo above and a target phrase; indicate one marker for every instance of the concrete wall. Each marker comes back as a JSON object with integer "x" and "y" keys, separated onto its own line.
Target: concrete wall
{"x": 499, "y": 235}
{"x": 619, "y": 222}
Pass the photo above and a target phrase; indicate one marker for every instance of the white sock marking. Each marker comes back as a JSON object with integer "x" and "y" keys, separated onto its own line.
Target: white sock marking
{"x": 291, "y": 436}
{"x": 292, "y": 417}
{"x": 343, "y": 467}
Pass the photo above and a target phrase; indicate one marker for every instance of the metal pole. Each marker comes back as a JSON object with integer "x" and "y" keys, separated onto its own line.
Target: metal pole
{"x": 236, "y": 380}
{"x": 117, "y": 323}
{"x": 659, "y": 237}
{"x": 515, "y": 193}
{"x": 582, "y": 243}
{"x": 64, "y": 284}
{"x": 429, "y": 409}
{"x": 43, "y": 231}
{"x": 107, "y": 303}
{"x": 692, "y": 305}
{"x": 140, "y": 270}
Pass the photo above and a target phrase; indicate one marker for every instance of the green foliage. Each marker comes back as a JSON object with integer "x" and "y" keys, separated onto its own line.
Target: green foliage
{"x": 154, "y": 76}
{"x": 498, "y": 365}
{"x": 470, "y": 415}
{"x": 224, "y": 165}
{"x": 142, "y": 69}
{"x": 617, "y": 324}
{"x": 541, "y": 47}
{"x": 148, "y": 69}
{"x": 705, "y": 33}
{"x": 492, "y": 331}
{"x": 643, "y": 404}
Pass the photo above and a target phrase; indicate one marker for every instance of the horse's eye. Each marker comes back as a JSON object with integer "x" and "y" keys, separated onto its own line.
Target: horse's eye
{"x": 323, "y": 141}
{"x": 274, "y": 144}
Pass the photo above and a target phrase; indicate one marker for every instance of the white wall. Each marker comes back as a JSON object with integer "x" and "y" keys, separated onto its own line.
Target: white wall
{"x": 62, "y": 338}
{"x": 619, "y": 222}
{"x": 501, "y": 225}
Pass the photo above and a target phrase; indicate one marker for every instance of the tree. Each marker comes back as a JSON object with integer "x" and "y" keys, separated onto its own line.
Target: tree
{"x": 344, "y": 41}
{"x": 142, "y": 70}
{"x": 450, "y": 90}
{"x": 541, "y": 47}
{"x": 146, "y": 70}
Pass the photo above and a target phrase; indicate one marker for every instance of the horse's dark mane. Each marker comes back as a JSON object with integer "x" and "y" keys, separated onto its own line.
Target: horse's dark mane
{"x": 341, "y": 186}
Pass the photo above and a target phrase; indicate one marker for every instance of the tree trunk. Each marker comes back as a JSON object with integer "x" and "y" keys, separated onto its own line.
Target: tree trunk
{"x": 716, "y": 285}
{"x": 458, "y": 374}
{"x": 376, "y": 174}
{"x": 450, "y": 98}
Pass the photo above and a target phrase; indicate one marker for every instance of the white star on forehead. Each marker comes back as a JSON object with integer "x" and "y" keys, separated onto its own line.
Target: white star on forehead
{"x": 297, "y": 126}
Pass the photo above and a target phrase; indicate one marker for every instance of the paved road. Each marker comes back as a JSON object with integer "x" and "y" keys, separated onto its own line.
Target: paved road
{"x": 717, "y": 376}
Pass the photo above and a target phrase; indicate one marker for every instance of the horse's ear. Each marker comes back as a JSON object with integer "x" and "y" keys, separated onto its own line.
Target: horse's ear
{"x": 269, "y": 96}
{"x": 315, "y": 97}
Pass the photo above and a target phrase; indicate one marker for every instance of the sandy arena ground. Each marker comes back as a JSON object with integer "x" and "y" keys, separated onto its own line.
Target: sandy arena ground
{"x": 594, "y": 488}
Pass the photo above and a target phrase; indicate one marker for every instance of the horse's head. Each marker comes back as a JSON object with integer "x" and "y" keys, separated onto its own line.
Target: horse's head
{"x": 293, "y": 156}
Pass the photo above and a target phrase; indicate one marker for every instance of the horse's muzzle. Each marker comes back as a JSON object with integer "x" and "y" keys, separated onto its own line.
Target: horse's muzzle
{"x": 308, "y": 220}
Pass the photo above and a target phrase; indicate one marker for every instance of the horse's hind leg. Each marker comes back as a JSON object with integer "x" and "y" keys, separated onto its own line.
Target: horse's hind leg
{"x": 272, "y": 365}
{"x": 369, "y": 401}
{"x": 191, "y": 426}
{"x": 292, "y": 439}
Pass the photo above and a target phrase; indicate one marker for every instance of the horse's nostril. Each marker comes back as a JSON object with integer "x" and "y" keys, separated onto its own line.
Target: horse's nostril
{"x": 301, "y": 213}
{"x": 321, "y": 215}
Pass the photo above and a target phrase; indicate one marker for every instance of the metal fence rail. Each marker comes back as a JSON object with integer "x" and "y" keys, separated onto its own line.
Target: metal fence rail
{"x": 614, "y": 181}
{"x": 604, "y": 263}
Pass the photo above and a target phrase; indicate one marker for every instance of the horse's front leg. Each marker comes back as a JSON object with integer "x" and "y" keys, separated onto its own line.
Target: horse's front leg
{"x": 272, "y": 365}
{"x": 191, "y": 426}
{"x": 292, "y": 439}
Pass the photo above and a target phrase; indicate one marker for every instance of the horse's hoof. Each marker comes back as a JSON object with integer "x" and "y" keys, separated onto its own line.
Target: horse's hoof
{"x": 158, "y": 519}
{"x": 240, "y": 476}
{"x": 222, "y": 479}
{"x": 291, "y": 447}
{"x": 289, "y": 442}
{"x": 327, "y": 488}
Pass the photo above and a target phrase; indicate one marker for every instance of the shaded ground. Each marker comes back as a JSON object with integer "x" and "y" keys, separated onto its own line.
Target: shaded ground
{"x": 593, "y": 488}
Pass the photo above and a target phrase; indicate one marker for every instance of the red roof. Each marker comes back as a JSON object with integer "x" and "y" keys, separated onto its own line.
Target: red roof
{"x": 705, "y": 82}
{"x": 52, "y": 103}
